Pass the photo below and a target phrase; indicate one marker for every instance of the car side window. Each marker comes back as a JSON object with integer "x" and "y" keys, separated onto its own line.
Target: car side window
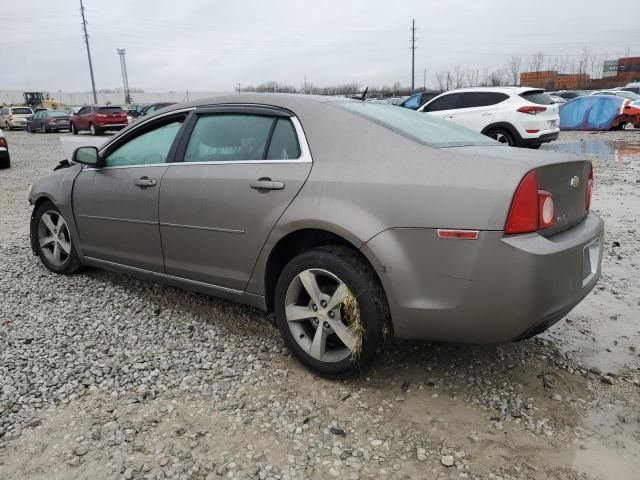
{"x": 228, "y": 138}
{"x": 284, "y": 141}
{"x": 482, "y": 99}
{"x": 150, "y": 147}
{"x": 447, "y": 102}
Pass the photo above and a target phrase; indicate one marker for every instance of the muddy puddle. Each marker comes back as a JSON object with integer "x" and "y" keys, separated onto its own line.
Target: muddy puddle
{"x": 616, "y": 151}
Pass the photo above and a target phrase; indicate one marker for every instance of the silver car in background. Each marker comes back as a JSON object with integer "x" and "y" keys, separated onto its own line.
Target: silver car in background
{"x": 351, "y": 220}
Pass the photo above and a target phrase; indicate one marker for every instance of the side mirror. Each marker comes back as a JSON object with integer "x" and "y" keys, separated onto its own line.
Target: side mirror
{"x": 86, "y": 156}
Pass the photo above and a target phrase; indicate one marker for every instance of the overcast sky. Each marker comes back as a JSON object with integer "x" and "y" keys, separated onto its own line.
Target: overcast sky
{"x": 211, "y": 45}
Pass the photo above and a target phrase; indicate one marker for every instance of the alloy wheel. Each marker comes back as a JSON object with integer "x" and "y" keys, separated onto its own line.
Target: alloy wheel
{"x": 500, "y": 137}
{"x": 54, "y": 238}
{"x": 315, "y": 313}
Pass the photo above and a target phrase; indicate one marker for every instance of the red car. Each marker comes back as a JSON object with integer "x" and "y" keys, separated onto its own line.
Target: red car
{"x": 98, "y": 118}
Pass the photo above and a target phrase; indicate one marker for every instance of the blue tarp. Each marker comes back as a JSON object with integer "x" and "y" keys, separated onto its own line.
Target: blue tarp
{"x": 591, "y": 112}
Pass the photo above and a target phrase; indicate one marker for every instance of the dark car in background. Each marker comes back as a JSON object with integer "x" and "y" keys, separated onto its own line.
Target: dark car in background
{"x": 154, "y": 107}
{"x": 49, "y": 121}
{"x": 99, "y": 118}
{"x": 135, "y": 109}
{"x": 569, "y": 94}
{"x": 415, "y": 101}
{"x": 5, "y": 161}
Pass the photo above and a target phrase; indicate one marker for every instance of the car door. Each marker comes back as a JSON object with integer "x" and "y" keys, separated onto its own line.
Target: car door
{"x": 444, "y": 106}
{"x": 239, "y": 169}
{"x": 478, "y": 109}
{"x": 34, "y": 124}
{"x": 116, "y": 204}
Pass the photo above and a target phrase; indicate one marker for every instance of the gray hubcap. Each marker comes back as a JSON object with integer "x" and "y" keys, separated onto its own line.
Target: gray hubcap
{"x": 315, "y": 318}
{"x": 54, "y": 238}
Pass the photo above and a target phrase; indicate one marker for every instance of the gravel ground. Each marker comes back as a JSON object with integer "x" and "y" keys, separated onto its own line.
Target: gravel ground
{"x": 105, "y": 376}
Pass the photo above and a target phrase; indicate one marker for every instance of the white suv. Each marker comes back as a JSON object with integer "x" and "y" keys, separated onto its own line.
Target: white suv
{"x": 517, "y": 116}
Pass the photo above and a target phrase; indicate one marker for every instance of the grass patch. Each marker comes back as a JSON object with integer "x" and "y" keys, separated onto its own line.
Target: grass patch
{"x": 351, "y": 315}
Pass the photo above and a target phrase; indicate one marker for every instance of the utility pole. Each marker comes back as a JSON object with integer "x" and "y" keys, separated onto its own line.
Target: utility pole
{"x": 413, "y": 54}
{"x": 239, "y": 85}
{"x": 125, "y": 78}
{"x": 305, "y": 84}
{"x": 86, "y": 41}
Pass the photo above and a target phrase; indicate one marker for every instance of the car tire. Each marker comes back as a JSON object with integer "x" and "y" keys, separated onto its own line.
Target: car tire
{"x": 5, "y": 163}
{"x": 502, "y": 135}
{"x": 51, "y": 239}
{"x": 73, "y": 129}
{"x": 314, "y": 341}
{"x": 93, "y": 130}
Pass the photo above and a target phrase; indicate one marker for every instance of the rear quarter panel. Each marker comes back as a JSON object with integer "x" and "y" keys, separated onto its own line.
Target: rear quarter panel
{"x": 366, "y": 178}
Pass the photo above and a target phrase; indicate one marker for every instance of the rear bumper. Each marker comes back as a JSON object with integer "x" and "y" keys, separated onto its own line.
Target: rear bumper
{"x": 493, "y": 289}
{"x": 111, "y": 126}
{"x": 544, "y": 138}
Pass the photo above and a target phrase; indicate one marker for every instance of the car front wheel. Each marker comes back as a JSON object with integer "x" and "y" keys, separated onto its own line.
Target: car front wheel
{"x": 331, "y": 310}
{"x": 51, "y": 239}
{"x": 74, "y": 130}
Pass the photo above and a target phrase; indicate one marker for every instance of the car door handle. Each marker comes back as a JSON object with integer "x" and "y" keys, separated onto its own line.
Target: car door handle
{"x": 144, "y": 182}
{"x": 266, "y": 183}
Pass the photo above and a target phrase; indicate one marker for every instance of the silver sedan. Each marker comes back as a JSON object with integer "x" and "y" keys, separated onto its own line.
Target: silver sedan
{"x": 351, "y": 220}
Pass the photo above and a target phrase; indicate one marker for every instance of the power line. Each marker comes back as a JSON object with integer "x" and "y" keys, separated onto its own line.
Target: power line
{"x": 125, "y": 78}
{"x": 86, "y": 41}
{"x": 413, "y": 54}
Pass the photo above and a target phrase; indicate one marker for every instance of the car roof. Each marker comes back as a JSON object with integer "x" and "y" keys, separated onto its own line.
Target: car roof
{"x": 510, "y": 90}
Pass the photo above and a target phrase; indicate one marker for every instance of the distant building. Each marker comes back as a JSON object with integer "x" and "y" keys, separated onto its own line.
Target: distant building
{"x": 628, "y": 69}
{"x": 552, "y": 80}
{"x": 610, "y": 68}
{"x": 615, "y": 73}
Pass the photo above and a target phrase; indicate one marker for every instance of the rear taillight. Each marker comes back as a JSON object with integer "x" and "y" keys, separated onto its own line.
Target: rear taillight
{"x": 532, "y": 110}
{"x": 51, "y": 120}
{"x": 3, "y": 142}
{"x": 531, "y": 209}
{"x": 589, "y": 187}
{"x": 101, "y": 115}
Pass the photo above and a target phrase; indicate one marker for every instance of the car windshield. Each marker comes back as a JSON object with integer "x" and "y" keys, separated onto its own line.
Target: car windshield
{"x": 21, "y": 111}
{"x": 417, "y": 126}
{"x": 58, "y": 114}
{"x": 111, "y": 110}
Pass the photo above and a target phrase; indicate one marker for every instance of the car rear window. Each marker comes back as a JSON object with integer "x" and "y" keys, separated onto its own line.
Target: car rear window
{"x": 537, "y": 96}
{"x": 58, "y": 114}
{"x": 417, "y": 126}
{"x": 21, "y": 111}
{"x": 106, "y": 110}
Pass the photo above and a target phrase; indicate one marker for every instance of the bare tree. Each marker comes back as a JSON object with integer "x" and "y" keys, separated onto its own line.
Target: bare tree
{"x": 441, "y": 80}
{"x": 459, "y": 77}
{"x": 536, "y": 61}
{"x": 496, "y": 78}
{"x": 513, "y": 67}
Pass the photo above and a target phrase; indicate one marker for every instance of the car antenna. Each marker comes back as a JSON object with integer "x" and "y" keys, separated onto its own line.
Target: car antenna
{"x": 362, "y": 97}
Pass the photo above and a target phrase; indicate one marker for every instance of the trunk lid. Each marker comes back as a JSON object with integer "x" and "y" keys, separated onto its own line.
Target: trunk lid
{"x": 567, "y": 183}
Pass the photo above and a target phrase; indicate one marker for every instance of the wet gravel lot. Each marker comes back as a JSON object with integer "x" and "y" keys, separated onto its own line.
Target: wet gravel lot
{"x": 105, "y": 376}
